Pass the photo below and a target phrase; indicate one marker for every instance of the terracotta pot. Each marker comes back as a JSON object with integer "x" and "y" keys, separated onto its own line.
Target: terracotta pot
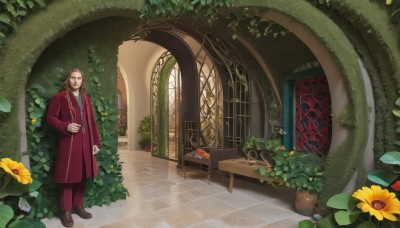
{"x": 305, "y": 203}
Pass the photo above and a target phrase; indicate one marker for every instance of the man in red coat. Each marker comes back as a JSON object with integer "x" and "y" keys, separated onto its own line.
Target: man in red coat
{"x": 71, "y": 114}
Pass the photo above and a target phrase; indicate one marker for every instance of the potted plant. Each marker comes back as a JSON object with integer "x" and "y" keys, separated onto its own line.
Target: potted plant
{"x": 144, "y": 130}
{"x": 302, "y": 171}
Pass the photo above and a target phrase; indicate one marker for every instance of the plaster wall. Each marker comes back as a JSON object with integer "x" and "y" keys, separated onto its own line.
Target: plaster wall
{"x": 136, "y": 61}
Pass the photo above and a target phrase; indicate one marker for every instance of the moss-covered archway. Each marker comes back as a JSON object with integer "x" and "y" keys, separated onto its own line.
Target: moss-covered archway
{"x": 314, "y": 28}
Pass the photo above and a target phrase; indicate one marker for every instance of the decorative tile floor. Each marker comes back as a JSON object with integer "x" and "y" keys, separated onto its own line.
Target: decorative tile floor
{"x": 160, "y": 197}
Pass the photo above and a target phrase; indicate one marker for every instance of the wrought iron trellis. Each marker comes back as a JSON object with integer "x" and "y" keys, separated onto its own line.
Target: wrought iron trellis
{"x": 211, "y": 102}
{"x": 237, "y": 114}
{"x": 231, "y": 107}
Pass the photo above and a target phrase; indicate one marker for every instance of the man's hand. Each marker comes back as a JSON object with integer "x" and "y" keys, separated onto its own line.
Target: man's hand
{"x": 95, "y": 149}
{"x": 73, "y": 127}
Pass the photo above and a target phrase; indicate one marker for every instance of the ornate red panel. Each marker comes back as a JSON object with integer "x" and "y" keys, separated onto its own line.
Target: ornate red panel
{"x": 313, "y": 115}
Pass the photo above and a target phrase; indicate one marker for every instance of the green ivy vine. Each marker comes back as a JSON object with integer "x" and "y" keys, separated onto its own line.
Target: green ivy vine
{"x": 12, "y": 12}
{"x": 107, "y": 187}
{"x": 42, "y": 143}
{"x": 213, "y": 10}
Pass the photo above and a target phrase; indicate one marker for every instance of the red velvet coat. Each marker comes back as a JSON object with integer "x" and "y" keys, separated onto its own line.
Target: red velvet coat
{"x": 75, "y": 149}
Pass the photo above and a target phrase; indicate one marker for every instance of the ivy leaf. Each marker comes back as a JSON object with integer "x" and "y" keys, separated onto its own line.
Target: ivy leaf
{"x": 30, "y": 4}
{"x": 262, "y": 171}
{"x": 35, "y": 185}
{"x": 5, "y": 105}
{"x": 11, "y": 9}
{"x": 396, "y": 112}
{"x": 41, "y": 3}
{"x": 21, "y": 13}
{"x": 22, "y": 3}
{"x": 5, "y": 18}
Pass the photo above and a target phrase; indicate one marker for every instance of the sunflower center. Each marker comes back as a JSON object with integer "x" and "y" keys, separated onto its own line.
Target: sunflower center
{"x": 15, "y": 171}
{"x": 378, "y": 204}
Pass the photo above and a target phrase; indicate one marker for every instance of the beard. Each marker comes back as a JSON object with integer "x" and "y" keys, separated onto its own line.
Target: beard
{"x": 75, "y": 88}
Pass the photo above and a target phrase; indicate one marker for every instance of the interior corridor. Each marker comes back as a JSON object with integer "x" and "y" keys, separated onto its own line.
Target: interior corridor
{"x": 160, "y": 197}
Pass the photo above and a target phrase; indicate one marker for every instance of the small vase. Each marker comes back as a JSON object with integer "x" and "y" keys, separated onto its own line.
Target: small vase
{"x": 305, "y": 203}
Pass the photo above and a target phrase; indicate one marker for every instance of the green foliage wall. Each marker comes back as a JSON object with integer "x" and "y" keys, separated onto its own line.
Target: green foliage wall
{"x": 92, "y": 48}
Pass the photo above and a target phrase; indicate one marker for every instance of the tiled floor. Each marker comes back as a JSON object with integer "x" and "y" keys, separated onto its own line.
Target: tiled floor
{"x": 160, "y": 197}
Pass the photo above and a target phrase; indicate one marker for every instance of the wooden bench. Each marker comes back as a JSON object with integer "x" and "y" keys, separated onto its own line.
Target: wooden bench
{"x": 247, "y": 168}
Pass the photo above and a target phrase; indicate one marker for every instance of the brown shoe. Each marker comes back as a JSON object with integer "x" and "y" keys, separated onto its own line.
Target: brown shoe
{"x": 81, "y": 212}
{"x": 66, "y": 218}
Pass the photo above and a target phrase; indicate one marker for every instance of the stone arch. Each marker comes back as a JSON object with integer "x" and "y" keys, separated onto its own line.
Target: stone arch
{"x": 338, "y": 60}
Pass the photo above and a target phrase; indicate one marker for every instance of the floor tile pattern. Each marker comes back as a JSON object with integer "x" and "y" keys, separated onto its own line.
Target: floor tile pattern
{"x": 160, "y": 197}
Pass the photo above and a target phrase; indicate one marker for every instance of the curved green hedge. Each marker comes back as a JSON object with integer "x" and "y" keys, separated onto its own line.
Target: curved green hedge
{"x": 32, "y": 37}
{"x": 342, "y": 51}
{"x": 372, "y": 23}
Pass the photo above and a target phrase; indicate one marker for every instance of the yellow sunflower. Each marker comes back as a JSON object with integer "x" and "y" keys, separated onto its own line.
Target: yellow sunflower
{"x": 16, "y": 170}
{"x": 378, "y": 202}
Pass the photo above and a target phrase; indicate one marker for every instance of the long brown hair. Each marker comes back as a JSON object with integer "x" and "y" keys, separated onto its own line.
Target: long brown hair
{"x": 65, "y": 85}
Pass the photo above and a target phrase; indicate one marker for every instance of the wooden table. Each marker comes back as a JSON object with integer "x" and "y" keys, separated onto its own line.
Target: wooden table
{"x": 246, "y": 168}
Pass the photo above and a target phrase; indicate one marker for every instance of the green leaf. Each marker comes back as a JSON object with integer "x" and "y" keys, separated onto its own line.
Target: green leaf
{"x": 340, "y": 201}
{"x": 6, "y": 214}
{"x": 21, "y": 13}
{"x": 367, "y": 224}
{"x": 5, "y": 105}
{"x": 22, "y": 3}
{"x": 14, "y": 189}
{"x": 28, "y": 222}
{"x": 41, "y": 3}
{"x": 346, "y": 218}
{"x": 11, "y": 9}
{"x": 306, "y": 224}
{"x": 5, "y": 19}
{"x": 381, "y": 177}
{"x": 396, "y": 112}
{"x": 262, "y": 171}
{"x": 30, "y": 4}
{"x": 35, "y": 185}
{"x": 326, "y": 222}
{"x": 392, "y": 158}
{"x": 34, "y": 194}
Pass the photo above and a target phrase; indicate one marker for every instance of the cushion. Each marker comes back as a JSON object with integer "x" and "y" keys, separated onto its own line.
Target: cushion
{"x": 199, "y": 154}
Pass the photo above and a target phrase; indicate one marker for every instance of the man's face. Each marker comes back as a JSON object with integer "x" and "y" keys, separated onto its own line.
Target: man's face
{"x": 75, "y": 81}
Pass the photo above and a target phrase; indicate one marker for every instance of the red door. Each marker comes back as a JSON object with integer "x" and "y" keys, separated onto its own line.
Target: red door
{"x": 313, "y": 115}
